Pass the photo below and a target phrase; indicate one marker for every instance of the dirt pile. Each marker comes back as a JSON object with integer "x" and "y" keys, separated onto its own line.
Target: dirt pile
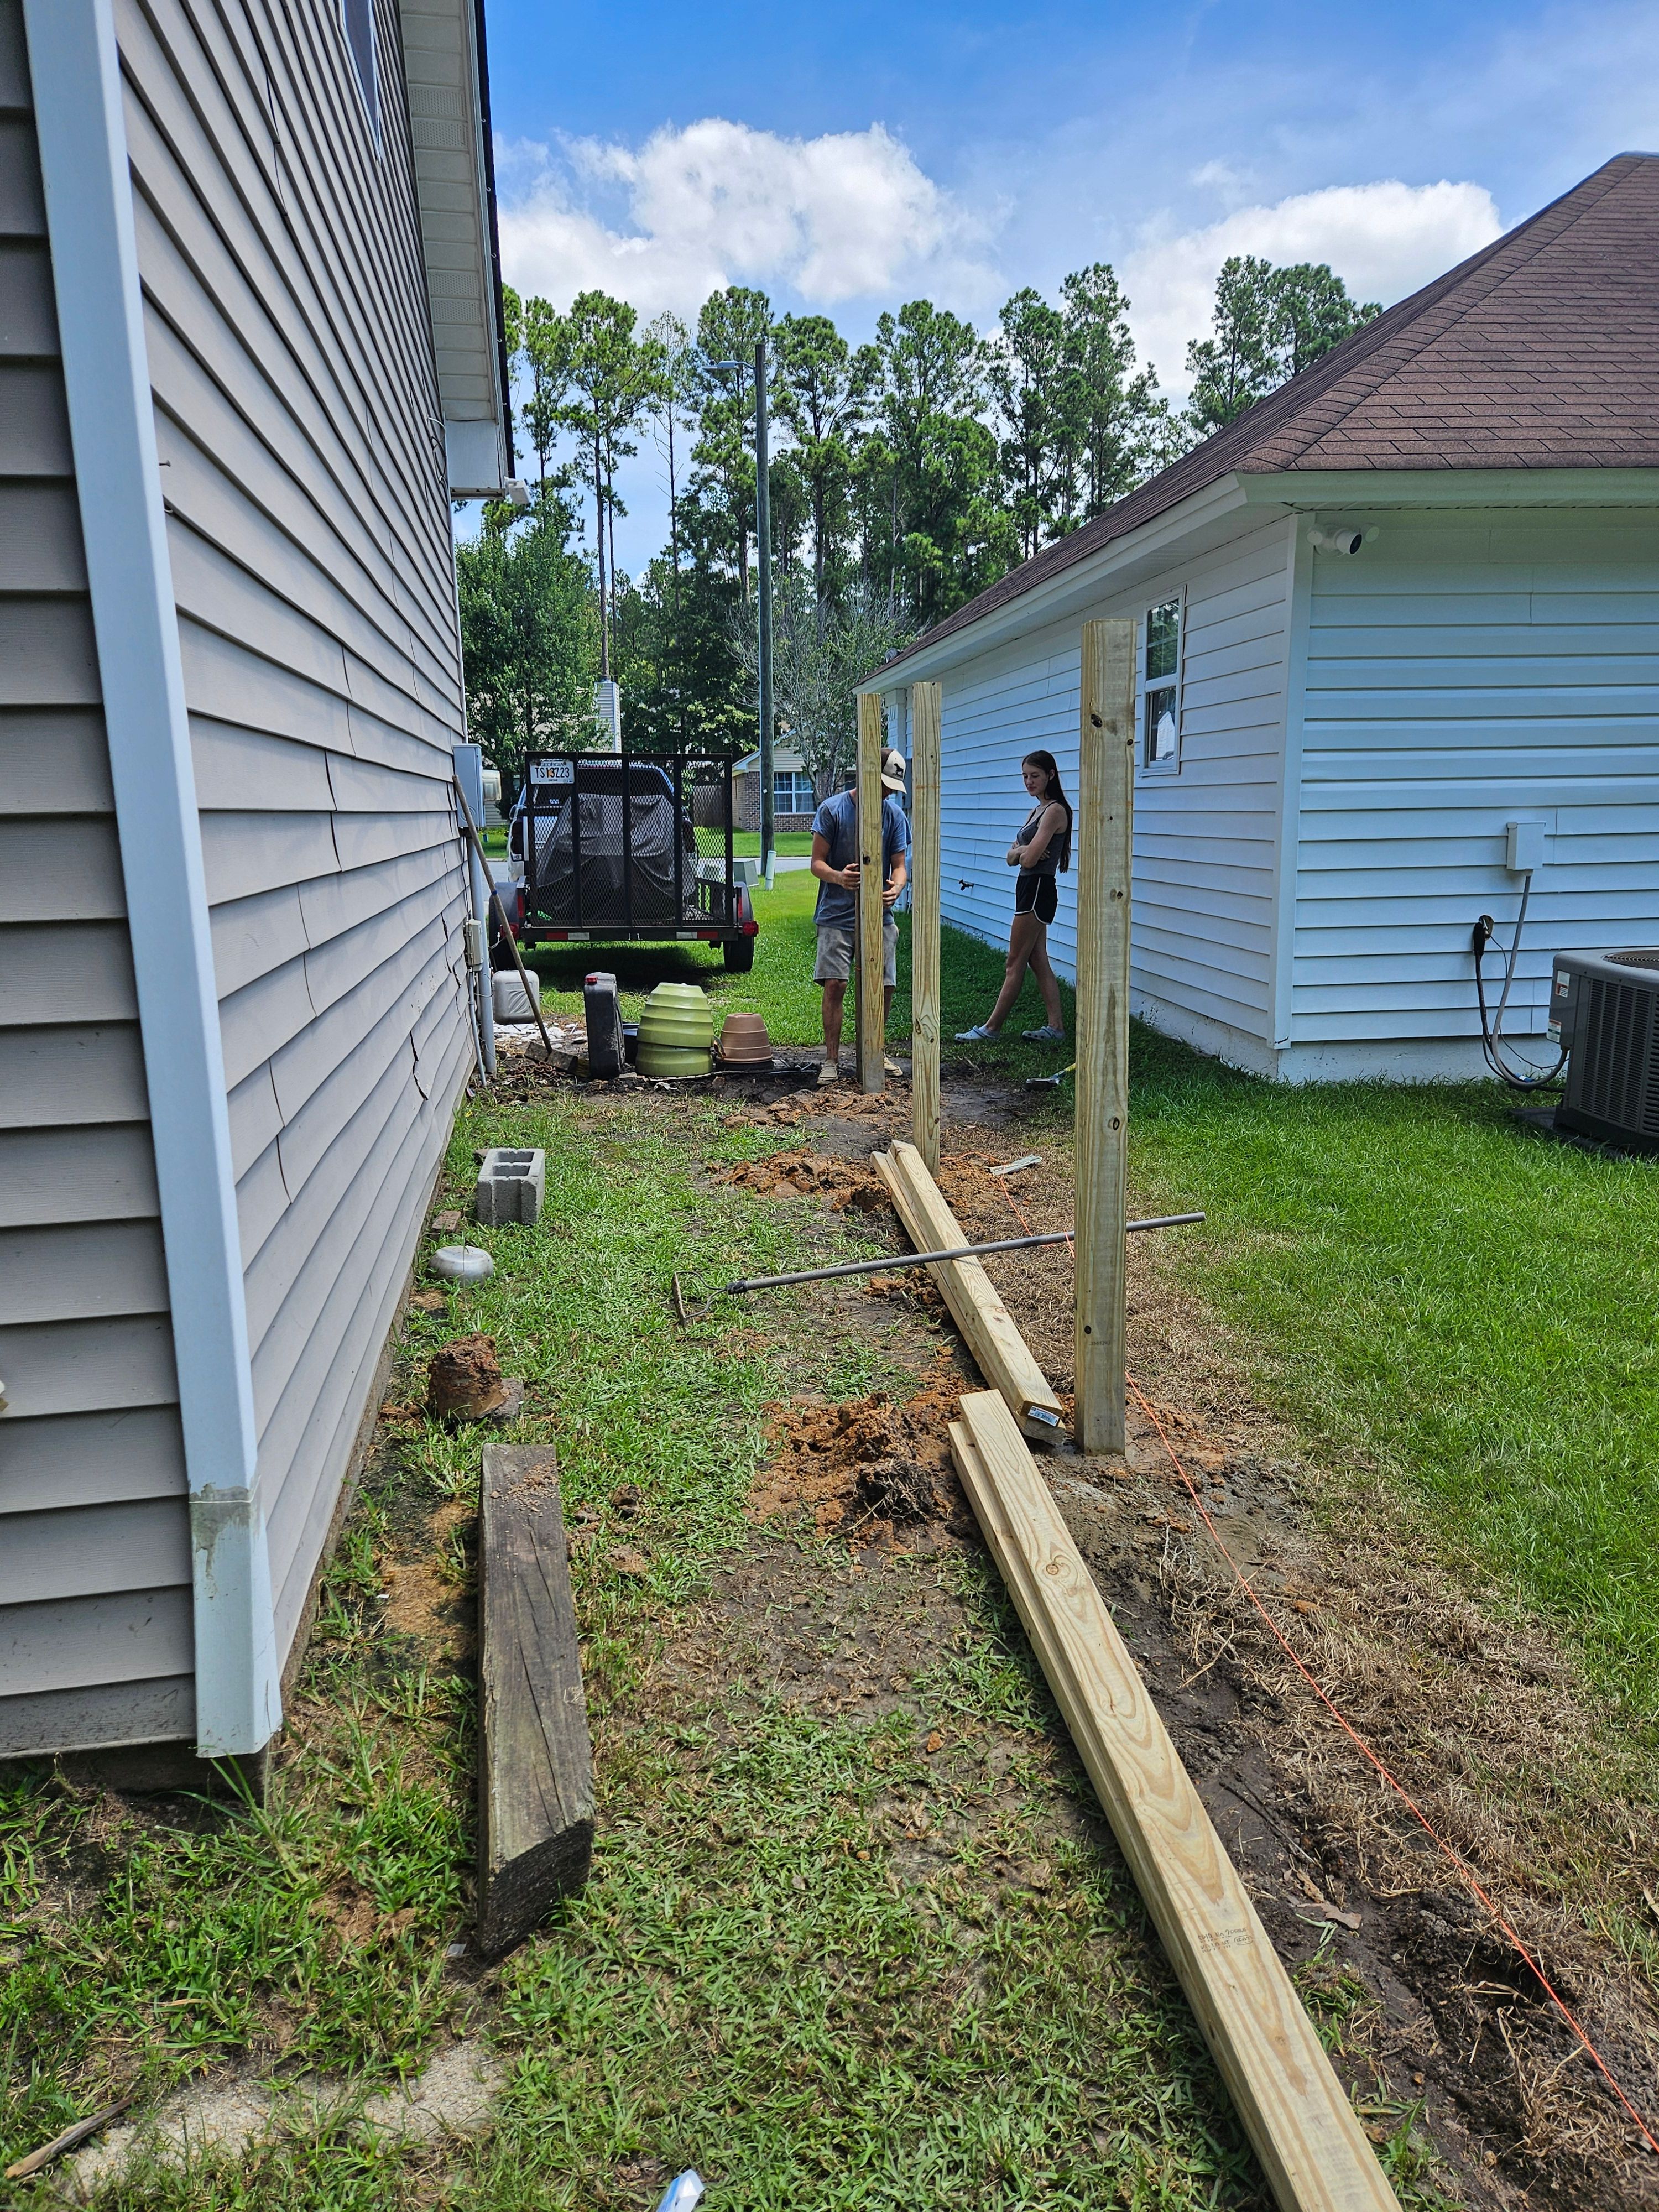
{"x": 464, "y": 1380}
{"x": 872, "y": 1469}
{"x": 811, "y": 1176}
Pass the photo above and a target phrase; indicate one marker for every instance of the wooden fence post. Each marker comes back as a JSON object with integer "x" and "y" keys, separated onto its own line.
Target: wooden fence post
{"x": 925, "y": 720}
{"x": 871, "y": 1008}
{"x": 1105, "y": 800}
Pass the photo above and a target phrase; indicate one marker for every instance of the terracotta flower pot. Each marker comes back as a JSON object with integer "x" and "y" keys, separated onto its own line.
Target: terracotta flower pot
{"x": 745, "y": 1043}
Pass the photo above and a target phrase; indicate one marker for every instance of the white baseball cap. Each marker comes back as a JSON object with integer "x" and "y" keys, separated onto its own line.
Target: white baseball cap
{"x": 892, "y": 770}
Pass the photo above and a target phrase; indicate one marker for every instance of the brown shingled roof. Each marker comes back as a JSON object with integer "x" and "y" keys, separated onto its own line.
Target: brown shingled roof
{"x": 1542, "y": 351}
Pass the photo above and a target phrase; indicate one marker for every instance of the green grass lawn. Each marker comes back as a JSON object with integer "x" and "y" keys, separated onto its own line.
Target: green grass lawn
{"x": 1420, "y": 1282}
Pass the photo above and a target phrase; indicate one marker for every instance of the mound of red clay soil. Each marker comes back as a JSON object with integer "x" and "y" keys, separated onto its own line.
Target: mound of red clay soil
{"x": 810, "y": 1175}
{"x": 870, "y": 1469}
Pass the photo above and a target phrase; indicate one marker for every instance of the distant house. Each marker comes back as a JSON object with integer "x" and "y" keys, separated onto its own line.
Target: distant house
{"x": 249, "y": 345}
{"x": 793, "y": 804}
{"x": 1332, "y": 741}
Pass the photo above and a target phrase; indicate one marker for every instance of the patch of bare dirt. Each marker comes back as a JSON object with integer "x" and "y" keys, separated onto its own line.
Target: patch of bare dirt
{"x": 872, "y": 1470}
{"x": 807, "y": 1174}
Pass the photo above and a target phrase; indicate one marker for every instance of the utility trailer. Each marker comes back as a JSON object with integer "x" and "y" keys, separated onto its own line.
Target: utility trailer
{"x": 629, "y": 847}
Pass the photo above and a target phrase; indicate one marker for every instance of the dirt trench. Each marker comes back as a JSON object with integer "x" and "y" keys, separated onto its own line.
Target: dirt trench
{"x": 1487, "y": 1723}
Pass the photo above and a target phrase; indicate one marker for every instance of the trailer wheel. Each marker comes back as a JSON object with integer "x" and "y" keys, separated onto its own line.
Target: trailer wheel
{"x": 739, "y": 953}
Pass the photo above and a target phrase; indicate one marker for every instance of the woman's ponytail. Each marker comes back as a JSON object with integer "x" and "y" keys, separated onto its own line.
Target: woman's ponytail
{"x": 1050, "y": 767}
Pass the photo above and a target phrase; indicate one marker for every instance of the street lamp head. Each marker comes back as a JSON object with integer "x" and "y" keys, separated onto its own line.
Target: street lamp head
{"x": 725, "y": 368}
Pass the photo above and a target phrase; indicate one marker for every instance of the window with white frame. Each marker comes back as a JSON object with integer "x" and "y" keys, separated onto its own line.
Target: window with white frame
{"x": 1160, "y": 688}
{"x": 357, "y": 21}
{"x": 792, "y": 791}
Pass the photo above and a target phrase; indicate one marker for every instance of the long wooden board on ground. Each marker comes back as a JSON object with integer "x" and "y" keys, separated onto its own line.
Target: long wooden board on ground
{"x": 1000, "y": 1351}
{"x": 536, "y": 1765}
{"x": 1316, "y": 2156}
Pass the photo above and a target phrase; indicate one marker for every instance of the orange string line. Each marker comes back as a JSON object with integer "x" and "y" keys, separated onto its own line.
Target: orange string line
{"x": 1447, "y": 1851}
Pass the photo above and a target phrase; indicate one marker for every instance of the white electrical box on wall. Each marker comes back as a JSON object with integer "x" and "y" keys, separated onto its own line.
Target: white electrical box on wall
{"x": 1523, "y": 848}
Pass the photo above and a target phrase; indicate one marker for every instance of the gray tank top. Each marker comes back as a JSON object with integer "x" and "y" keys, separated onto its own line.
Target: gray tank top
{"x": 1047, "y": 860}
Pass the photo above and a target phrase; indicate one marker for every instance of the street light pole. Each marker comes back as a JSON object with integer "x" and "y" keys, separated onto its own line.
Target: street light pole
{"x": 764, "y": 542}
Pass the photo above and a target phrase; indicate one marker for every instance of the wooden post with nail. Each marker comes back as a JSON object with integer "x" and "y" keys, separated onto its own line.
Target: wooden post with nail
{"x": 872, "y": 1009}
{"x": 1105, "y": 801}
{"x": 924, "y": 724}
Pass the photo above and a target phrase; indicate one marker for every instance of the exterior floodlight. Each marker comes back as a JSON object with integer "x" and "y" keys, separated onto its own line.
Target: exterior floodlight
{"x": 516, "y": 492}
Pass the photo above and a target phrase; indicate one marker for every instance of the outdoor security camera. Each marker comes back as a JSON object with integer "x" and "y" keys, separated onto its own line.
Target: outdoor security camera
{"x": 1336, "y": 541}
{"x": 516, "y": 492}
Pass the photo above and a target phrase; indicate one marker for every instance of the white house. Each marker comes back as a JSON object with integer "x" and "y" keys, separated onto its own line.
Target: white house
{"x": 1411, "y": 597}
{"x": 250, "y": 344}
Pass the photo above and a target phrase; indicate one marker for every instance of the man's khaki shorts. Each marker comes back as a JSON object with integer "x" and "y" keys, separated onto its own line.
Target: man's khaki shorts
{"x": 836, "y": 949}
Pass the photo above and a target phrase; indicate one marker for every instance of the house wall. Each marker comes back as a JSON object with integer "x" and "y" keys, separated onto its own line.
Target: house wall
{"x": 1206, "y": 840}
{"x": 1462, "y": 669}
{"x": 95, "y": 1626}
{"x": 299, "y": 428}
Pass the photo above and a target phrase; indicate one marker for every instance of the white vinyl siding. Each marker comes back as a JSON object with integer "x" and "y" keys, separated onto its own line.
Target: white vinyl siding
{"x": 1206, "y": 840}
{"x": 298, "y": 425}
{"x": 1464, "y": 670}
{"x": 96, "y": 1644}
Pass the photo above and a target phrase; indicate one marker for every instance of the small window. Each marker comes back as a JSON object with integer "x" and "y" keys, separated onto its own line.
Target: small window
{"x": 1160, "y": 700}
{"x": 357, "y": 20}
{"x": 792, "y": 793}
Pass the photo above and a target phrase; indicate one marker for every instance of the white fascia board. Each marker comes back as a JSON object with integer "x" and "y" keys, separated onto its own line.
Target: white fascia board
{"x": 1350, "y": 489}
{"x": 1198, "y": 523}
{"x": 75, "y": 72}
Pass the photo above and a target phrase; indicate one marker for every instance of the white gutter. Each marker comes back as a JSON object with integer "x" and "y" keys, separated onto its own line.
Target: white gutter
{"x": 76, "y": 71}
{"x": 1083, "y": 585}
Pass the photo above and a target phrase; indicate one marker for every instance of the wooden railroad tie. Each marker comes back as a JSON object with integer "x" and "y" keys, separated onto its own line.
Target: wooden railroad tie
{"x": 536, "y": 1766}
{"x": 1313, "y": 2149}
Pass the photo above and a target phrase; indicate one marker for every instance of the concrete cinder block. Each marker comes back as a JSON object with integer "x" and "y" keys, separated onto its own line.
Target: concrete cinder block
{"x": 511, "y": 1187}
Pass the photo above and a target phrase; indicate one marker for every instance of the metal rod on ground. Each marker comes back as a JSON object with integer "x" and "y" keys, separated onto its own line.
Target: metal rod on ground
{"x": 1105, "y": 798}
{"x": 871, "y": 914}
{"x": 930, "y": 1258}
{"x": 531, "y": 998}
{"x": 925, "y": 720}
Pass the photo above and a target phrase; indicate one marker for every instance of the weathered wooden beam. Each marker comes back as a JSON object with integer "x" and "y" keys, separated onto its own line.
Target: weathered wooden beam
{"x": 871, "y": 1008}
{"x": 926, "y": 717}
{"x": 1303, "y": 2127}
{"x": 1105, "y": 800}
{"x": 536, "y": 1767}
{"x": 1000, "y": 1351}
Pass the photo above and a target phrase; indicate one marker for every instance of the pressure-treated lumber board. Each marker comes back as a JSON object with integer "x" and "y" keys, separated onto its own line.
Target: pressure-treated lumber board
{"x": 1105, "y": 803}
{"x": 536, "y": 1772}
{"x": 871, "y": 1007}
{"x": 1000, "y": 1352}
{"x": 1311, "y": 2147}
{"x": 925, "y": 725}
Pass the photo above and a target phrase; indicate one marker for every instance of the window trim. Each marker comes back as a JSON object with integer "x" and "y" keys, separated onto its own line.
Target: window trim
{"x": 797, "y": 777}
{"x": 368, "y": 96}
{"x": 1176, "y": 683}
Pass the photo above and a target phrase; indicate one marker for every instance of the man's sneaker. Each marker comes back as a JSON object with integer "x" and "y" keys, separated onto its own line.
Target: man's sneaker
{"x": 830, "y": 1072}
{"x": 978, "y": 1035}
{"x": 1045, "y": 1035}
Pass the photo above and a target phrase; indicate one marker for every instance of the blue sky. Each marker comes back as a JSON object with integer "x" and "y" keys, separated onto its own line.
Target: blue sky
{"x": 849, "y": 157}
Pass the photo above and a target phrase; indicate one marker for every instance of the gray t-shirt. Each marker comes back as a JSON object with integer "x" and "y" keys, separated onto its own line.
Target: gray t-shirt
{"x": 837, "y": 823}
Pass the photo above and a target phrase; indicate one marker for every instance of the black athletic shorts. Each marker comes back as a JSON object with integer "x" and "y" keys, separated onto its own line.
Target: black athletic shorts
{"x": 1038, "y": 895}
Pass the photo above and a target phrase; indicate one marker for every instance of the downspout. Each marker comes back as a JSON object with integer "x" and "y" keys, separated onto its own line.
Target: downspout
{"x": 76, "y": 71}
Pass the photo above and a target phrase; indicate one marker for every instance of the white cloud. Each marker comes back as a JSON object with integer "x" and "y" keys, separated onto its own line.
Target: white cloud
{"x": 848, "y": 216}
{"x": 1383, "y": 239}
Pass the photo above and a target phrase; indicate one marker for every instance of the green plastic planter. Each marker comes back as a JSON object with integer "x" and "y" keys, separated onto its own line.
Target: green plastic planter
{"x": 676, "y": 1031}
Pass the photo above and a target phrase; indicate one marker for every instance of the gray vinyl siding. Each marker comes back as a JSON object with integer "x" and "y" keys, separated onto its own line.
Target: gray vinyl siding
{"x": 95, "y": 1641}
{"x": 298, "y": 425}
{"x": 1465, "y": 669}
{"x": 1206, "y": 840}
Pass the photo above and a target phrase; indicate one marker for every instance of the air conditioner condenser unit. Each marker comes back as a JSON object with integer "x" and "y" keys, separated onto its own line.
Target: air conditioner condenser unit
{"x": 1604, "y": 1010}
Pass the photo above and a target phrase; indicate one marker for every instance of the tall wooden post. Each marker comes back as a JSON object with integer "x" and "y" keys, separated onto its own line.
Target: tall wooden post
{"x": 1105, "y": 800}
{"x": 871, "y": 1014}
{"x": 925, "y": 719}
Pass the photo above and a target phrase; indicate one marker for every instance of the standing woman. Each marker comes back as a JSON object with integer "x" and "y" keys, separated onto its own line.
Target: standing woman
{"x": 1043, "y": 846}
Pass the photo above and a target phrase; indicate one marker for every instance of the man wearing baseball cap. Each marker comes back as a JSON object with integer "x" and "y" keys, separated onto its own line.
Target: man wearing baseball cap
{"x": 835, "y": 865}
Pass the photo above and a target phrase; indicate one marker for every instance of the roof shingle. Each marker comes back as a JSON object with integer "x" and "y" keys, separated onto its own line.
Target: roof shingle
{"x": 1540, "y": 351}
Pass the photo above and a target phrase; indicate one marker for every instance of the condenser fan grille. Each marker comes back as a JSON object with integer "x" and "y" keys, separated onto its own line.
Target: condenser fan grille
{"x": 1615, "y": 1064}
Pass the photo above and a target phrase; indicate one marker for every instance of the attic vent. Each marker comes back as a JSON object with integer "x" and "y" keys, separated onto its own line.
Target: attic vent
{"x": 357, "y": 21}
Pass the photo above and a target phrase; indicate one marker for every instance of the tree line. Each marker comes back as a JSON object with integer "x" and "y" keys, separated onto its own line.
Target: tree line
{"x": 906, "y": 475}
